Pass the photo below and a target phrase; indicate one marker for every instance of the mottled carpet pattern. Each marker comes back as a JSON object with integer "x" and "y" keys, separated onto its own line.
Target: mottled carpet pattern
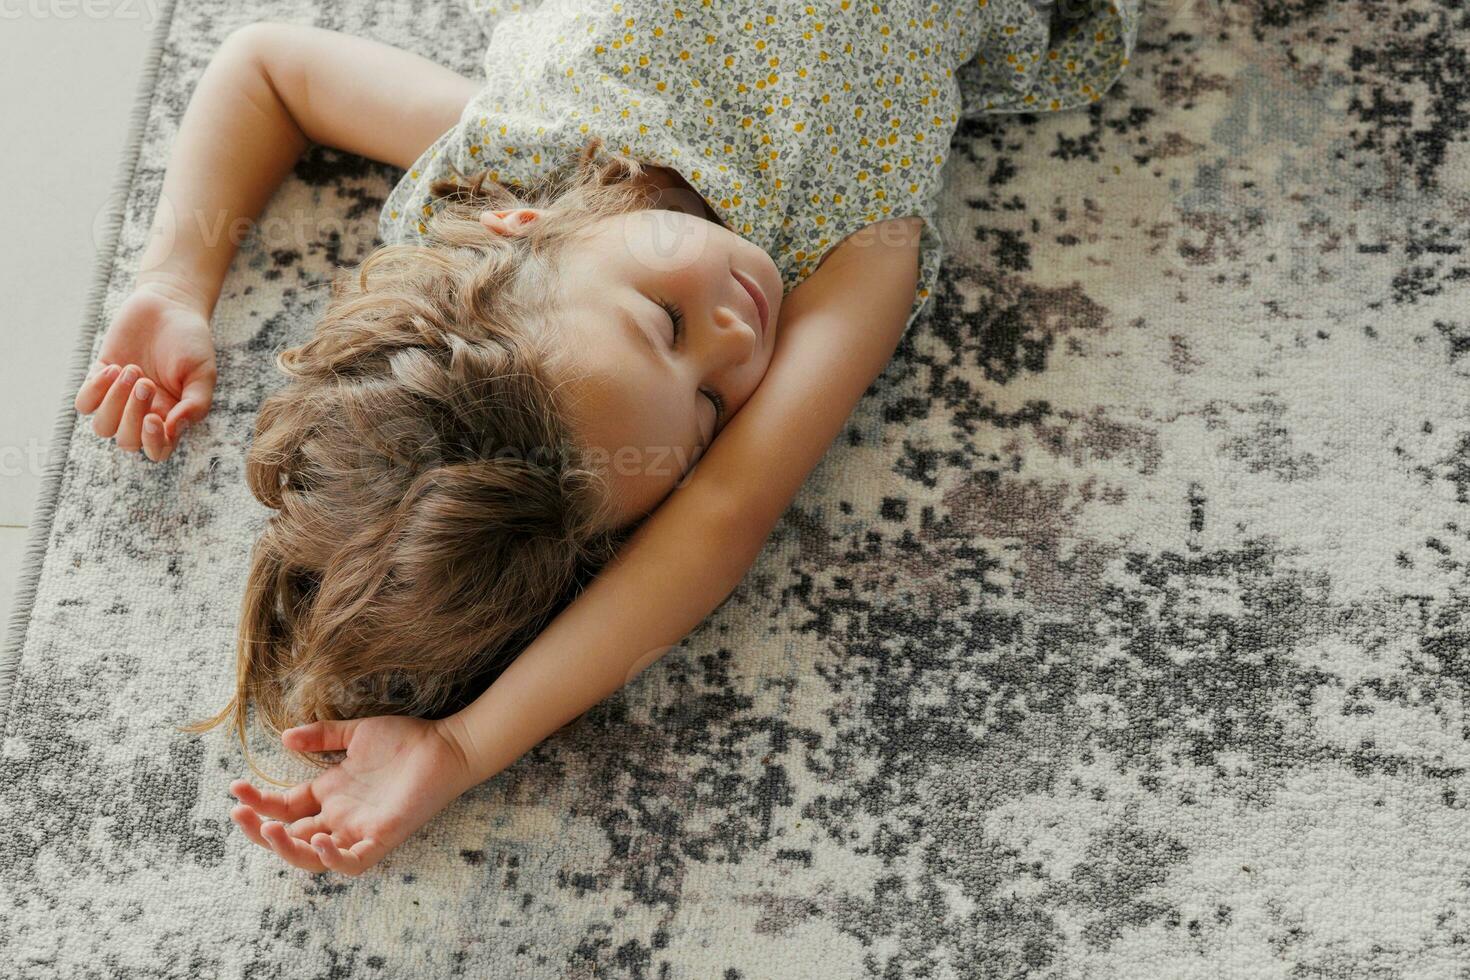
{"x": 1123, "y": 634}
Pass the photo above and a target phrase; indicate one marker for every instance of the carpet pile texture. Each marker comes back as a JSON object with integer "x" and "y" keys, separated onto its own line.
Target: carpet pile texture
{"x": 1122, "y": 634}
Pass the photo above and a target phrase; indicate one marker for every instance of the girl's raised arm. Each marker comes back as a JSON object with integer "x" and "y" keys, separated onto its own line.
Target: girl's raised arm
{"x": 270, "y": 91}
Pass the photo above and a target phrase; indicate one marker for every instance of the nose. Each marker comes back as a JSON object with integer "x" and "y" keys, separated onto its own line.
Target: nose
{"x": 727, "y": 354}
{"x": 727, "y": 361}
{"x": 734, "y": 341}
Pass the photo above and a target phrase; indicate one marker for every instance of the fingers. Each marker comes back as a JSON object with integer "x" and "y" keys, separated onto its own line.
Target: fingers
{"x": 323, "y": 853}
{"x": 256, "y": 829}
{"x": 130, "y": 426}
{"x": 295, "y": 803}
{"x": 320, "y": 736}
{"x": 109, "y": 413}
{"x": 122, "y": 398}
{"x": 306, "y": 827}
{"x": 163, "y": 403}
{"x": 249, "y": 821}
{"x": 180, "y": 418}
{"x": 292, "y": 850}
{"x": 353, "y": 861}
{"x": 155, "y": 444}
{"x": 193, "y": 405}
{"x": 89, "y": 395}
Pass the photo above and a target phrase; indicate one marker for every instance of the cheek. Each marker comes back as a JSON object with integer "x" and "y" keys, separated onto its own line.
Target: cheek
{"x": 705, "y": 281}
{"x": 648, "y": 423}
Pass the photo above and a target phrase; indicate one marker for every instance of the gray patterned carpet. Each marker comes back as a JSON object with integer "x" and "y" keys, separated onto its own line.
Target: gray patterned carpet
{"x": 1125, "y": 634}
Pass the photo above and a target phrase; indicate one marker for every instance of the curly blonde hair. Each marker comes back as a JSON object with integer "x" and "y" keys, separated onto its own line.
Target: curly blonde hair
{"x": 433, "y": 509}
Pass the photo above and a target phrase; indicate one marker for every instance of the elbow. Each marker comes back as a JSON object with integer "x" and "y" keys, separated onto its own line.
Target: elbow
{"x": 245, "y": 56}
{"x": 267, "y": 49}
{"x": 267, "y": 69}
{"x": 250, "y": 41}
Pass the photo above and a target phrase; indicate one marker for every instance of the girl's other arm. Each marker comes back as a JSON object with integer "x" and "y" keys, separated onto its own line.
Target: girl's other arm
{"x": 837, "y": 331}
{"x": 270, "y": 91}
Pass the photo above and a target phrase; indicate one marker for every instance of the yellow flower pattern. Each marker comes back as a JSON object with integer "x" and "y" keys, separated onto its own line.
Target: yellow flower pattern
{"x": 799, "y": 123}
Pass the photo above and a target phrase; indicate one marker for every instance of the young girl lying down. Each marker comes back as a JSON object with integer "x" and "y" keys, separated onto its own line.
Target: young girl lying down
{"x": 654, "y": 236}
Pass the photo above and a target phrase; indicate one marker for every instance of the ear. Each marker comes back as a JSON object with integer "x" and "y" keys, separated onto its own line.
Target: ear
{"x": 509, "y": 221}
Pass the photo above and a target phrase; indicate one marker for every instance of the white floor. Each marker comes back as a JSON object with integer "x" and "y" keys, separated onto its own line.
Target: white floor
{"x": 69, "y": 72}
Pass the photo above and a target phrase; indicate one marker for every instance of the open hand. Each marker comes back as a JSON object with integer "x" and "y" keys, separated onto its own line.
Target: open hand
{"x": 399, "y": 772}
{"x": 154, "y": 375}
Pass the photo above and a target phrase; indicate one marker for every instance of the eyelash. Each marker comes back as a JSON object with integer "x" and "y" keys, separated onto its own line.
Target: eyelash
{"x": 676, "y": 317}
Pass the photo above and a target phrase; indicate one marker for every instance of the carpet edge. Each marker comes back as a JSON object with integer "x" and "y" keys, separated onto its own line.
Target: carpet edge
{"x": 44, "y": 514}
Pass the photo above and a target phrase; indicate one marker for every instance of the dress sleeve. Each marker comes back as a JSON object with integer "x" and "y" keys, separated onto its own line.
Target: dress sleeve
{"x": 408, "y": 205}
{"x": 1039, "y": 56}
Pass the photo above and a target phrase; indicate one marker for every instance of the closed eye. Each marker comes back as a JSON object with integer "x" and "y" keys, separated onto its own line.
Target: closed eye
{"x": 676, "y": 318}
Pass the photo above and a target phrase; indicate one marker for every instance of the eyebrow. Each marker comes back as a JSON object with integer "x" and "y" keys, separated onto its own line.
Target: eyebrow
{"x": 633, "y": 324}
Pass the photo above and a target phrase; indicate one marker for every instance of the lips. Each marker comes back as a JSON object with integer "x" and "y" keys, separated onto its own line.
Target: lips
{"x": 762, "y": 309}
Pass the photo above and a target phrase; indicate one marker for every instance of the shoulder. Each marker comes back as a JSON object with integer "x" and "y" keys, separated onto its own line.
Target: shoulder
{"x": 867, "y": 278}
{"x": 879, "y": 242}
{"x": 863, "y": 293}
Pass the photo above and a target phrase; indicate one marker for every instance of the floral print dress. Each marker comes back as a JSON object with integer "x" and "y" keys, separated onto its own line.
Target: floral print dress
{"x": 798, "y": 123}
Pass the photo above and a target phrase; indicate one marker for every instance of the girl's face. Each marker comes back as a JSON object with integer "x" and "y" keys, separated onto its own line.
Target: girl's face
{"x": 671, "y": 322}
